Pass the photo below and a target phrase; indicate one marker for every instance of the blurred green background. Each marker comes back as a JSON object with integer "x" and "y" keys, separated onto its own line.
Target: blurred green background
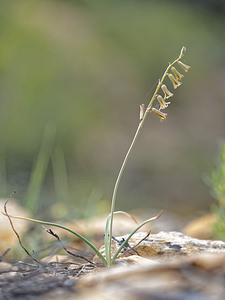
{"x": 72, "y": 77}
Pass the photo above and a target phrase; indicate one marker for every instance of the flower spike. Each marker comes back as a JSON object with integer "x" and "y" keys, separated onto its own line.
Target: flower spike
{"x": 183, "y": 66}
{"x": 167, "y": 93}
{"x": 175, "y": 82}
{"x": 177, "y": 74}
{"x": 159, "y": 113}
{"x": 163, "y": 104}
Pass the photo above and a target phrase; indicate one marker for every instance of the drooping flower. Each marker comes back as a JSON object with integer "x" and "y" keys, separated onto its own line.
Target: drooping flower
{"x": 175, "y": 82}
{"x": 183, "y": 66}
{"x": 163, "y": 104}
{"x": 178, "y": 75}
{"x": 167, "y": 93}
{"x": 159, "y": 113}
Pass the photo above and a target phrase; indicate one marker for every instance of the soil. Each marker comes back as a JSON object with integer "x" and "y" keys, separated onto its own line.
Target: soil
{"x": 32, "y": 281}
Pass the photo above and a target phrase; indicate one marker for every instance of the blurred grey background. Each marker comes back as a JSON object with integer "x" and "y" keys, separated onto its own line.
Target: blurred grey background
{"x": 82, "y": 68}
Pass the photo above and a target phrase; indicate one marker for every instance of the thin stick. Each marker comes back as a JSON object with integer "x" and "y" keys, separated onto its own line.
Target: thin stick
{"x": 68, "y": 251}
{"x": 16, "y": 233}
{"x": 4, "y": 253}
{"x": 133, "y": 248}
{"x": 126, "y": 246}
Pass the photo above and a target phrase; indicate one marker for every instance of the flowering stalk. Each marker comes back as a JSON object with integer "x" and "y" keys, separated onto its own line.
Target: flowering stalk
{"x": 108, "y": 260}
{"x": 142, "y": 120}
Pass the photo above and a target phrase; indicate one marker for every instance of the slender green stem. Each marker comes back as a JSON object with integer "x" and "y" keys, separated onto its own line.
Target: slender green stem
{"x": 129, "y": 151}
{"x": 117, "y": 185}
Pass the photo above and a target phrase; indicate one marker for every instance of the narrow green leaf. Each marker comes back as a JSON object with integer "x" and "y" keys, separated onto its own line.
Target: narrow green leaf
{"x": 40, "y": 168}
{"x": 64, "y": 228}
{"x": 132, "y": 233}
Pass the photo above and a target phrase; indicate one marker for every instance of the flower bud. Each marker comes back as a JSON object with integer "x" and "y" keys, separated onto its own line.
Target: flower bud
{"x": 183, "y": 66}
{"x": 163, "y": 104}
{"x": 159, "y": 113}
{"x": 167, "y": 93}
{"x": 177, "y": 74}
{"x": 142, "y": 111}
{"x": 175, "y": 82}
{"x": 183, "y": 50}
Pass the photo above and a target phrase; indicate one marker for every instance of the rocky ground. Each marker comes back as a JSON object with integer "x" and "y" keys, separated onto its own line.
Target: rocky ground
{"x": 167, "y": 265}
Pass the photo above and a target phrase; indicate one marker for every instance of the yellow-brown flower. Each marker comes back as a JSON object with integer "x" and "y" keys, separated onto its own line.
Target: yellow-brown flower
{"x": 175, "y": 82}
{"x": 167, "y": 93}
{"x": 177, "y": 74}
{"x": 163, "y": 104}
{"x": 183, "y": 66}
{"x": 159, "y": 113}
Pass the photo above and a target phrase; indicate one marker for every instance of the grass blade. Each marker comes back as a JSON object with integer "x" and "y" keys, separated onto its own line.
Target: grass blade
{"x": 40, "y": 168}
{"x": 60, "y": 175}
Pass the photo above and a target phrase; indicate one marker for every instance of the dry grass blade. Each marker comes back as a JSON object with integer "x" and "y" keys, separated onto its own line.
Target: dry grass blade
{"x": 130, "y": 216}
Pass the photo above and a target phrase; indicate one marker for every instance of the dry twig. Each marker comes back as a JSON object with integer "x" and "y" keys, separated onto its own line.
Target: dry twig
{"x": 68, "y": 251}
{"x": 132, "y": 248}
{"x": 16, "y": 233}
